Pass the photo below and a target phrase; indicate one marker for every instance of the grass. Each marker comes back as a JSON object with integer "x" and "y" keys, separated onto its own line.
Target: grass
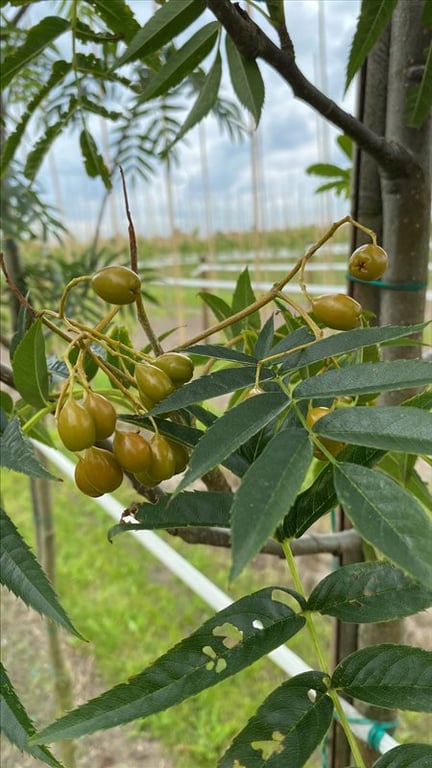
{"x": 132, "y": 610}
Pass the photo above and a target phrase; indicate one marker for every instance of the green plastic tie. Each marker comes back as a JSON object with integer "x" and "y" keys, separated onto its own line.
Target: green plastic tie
{"x": 415, "y": 286}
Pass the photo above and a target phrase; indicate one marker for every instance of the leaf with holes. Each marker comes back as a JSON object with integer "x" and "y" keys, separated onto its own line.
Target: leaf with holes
{"x": 232, "y": 430}
{"x": 268, "y": 490}
{"x": 246, "y": 80}
{"x": 17, "y": 725}
{"x": 377, "y": 507}
{"x": 391, "y": 427}
{"x": 22, "y": 574}
{"x": 364, "y": 378}
{"x": 387, "y": 675}
{"x": 367, "y": 592}
{"x": 30, "y": 367}
{"x": 286, "y": 728}
{"x": 225, "y": 644}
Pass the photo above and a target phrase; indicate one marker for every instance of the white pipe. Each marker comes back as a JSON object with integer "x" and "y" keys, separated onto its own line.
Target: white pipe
{"x": 283, "y": 657}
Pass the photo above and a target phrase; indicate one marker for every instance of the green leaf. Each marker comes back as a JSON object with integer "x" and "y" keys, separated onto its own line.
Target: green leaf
{"x": 205, "y": 101}
{"x": 246, "y": 80}
{"x": 225, "y": 644}
{"x": 162, "y": 27}
{"x": 38, "y": 153}
{"x": 287, "y": 727}
{"x": 30, "y": 368}
{"x": 221, "y": 353}
{"x": 17, "y": 725}
{"x": 368, "y": 592}
{"x": 22, "y": 574}
{"x": 392, "y": 427}
{"x": 17, "y": 452}
{"x": 346, "y": 145}
{"x": 327, "y": 169}
{"x": 374, "y": 17}
{"x": 419, "y": 97}
{"x": 195, "y": 508}
{"x": 93, "y": 160}
{"x": 377, "y": 507}
{"x": 59, "y": 71}
{"x": 182, "y": 62}
{"x": 268, "y": 490}
{"x": 265, "y": 340}
{"x": 243, "y": 297}
{"x": 118, "y": 16}
{"x": 387, "y": 675}
{"x": 366, "y": 377}
{"x": 348, "y": 341}
{"x": 232, "y": 430}
{"x": 406, "y": 756}
{"x": 219, "y": 307}
{"x": 37, "y": 39}
{"x": 213, "y": 385}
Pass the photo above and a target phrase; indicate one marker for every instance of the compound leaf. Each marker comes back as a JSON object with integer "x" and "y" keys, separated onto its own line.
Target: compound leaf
{"x": 224, "y": 645}
{"x": 37, "y": 38}
{"x": 364, "y": 378}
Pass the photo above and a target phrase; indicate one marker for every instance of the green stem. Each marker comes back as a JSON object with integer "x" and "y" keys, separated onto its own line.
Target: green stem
{"x": 320, "y": 657}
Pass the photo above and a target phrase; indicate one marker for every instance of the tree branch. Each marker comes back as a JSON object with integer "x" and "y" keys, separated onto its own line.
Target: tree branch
{"x": 308, "y": 544}
{"x": 253, "y": 43}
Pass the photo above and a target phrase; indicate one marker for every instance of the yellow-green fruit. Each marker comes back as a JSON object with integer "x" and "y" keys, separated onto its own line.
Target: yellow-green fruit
{"x": 163, "y": 464}
{"x": 333, "y": 446}
{"x": 153, "y": 383}
{"x": 103, "y": 414}
{"x": 102, "y": 470}
{"x": 116, "y": 285}
{"x": 132, "y": 451}
{"x": 83, "y": 483}
{"x": 368, "y": 262}
{"x": 75, "y": 426}
{"x": 177, "y": 366}
{"x": 337, "y": 311}
{"x": 181, "y": 456}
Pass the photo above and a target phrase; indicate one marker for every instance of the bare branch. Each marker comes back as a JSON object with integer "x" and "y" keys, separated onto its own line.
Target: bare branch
{"x": 253, "y": 43}
{"x": 308, "y": 544}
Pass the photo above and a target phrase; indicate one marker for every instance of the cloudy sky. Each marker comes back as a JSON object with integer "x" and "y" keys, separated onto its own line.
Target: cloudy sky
{"x": 290, "y": 137}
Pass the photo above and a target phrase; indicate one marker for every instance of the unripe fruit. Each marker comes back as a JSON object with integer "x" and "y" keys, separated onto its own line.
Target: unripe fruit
{"x": 368, "y": 262}
{"x": 83, "y": 483}
{"x": 103, "y": 414}
{"x": 163, "y": 462}
{"x": 181, "y": 456}
{"x": 333, "y": 446}
{"x": 177, "y": 366}
{"x": 132, "y": 451}
{"x": 102, "y": 470}
{"x": 337, "y": 311}
{"x": 75, "y": 426}
{"x": 116, "y": 285}
{"x": 153, "y": 383}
